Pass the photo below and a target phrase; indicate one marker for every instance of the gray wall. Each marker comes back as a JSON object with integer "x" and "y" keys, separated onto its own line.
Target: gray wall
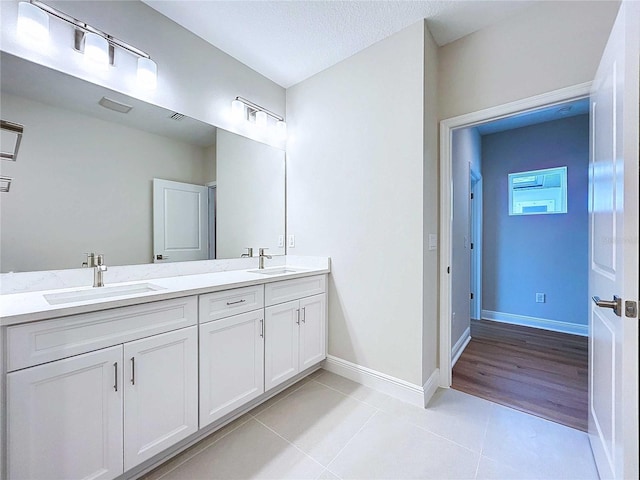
{"x": 355, "y": 193}
{"x": 76, "y": 192}
{"x": 525, "y": 254}
{"x": 466, "y": 153}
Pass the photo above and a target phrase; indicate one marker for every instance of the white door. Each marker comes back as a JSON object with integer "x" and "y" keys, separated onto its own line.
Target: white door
{"x": 313, "y": 333}
{"x": 231, "y": 364}
{"x": 65, "y": 418}
{"x": 613, "y": 336}
{"x": 180, "y": 221}
{"x": 161, "y": 393}
{"x": 281, "y": 325}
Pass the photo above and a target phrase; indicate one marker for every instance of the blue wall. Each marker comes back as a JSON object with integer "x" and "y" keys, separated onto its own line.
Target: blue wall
{"x": 526, "y": 254}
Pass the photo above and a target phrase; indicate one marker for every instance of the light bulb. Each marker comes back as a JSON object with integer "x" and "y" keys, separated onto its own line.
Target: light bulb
{"x": 33, "y": 23}
{"x": 237, "y": 110}
{"x": 261, "y": 119}
{"x": 281, "y": 128}
{"x": 96, "y": 49}
{"x": 147, "y": 73}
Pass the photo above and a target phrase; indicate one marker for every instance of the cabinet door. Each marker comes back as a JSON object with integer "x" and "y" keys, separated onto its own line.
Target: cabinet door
{"x": 161, "y": 393}
{"x": 231, "y": 364}
{"x": 65, "y": 418}
{"x": 313, "y": 330}
{"x": 281, "y": 343}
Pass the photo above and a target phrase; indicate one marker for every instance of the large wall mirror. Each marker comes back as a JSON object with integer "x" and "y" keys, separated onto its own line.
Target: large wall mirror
{"x": 83, "y": 180}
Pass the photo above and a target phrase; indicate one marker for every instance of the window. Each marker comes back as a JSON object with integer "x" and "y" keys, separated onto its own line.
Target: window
{"x": 538, "y": 192}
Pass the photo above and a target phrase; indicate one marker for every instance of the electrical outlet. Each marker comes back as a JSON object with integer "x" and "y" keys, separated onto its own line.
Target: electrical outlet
{"x": 291, "y": 243}
{"x": 540, "y": 298}
{"x": 281, "y": 241}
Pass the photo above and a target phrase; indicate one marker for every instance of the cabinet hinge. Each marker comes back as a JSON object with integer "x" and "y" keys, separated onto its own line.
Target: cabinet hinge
{"x": 448, "y": 269}
{"x": 471, "y": 295}
{"x": 472, "y": 196}
{"x": 471, "y": 245}
{"x": 630, "y": 309}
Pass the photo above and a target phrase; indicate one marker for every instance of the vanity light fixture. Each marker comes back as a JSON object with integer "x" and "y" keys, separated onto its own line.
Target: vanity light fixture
{"x": 33, "y": 22}
{"x": 243, "y": 109}
{"x": 98, "y": 46}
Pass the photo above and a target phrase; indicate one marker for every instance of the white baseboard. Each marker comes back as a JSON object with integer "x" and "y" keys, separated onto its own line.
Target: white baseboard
{"x": 460, "y": 345}
{"x": 544, "y": 323}
{"x": 392, "y": 386}
{"x": 430, "y": 386}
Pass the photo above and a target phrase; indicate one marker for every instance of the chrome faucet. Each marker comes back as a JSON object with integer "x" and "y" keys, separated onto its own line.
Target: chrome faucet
{"x": 248, "y": 254}
{"x": 97, "y": 263}
{"x": 262, "y": 256}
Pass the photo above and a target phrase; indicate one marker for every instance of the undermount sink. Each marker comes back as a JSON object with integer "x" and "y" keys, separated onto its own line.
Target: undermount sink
{"x": 276, "y": 271}
{"x": 98, "y": 293}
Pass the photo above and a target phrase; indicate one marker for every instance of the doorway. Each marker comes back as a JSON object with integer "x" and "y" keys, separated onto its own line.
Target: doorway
{"x": 509, "y": 268}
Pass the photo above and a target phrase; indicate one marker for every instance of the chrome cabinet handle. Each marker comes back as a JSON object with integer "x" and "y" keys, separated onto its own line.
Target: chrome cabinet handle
{"x": 262, "y": 327}
{"x": 615, "y": 304}
{"x": 304, "y": 315}
{"x": 115, "y": 376}
{"x": 234, "y": 303}
{"x": 133, "y": 370}
{"x": 298, "y": 316}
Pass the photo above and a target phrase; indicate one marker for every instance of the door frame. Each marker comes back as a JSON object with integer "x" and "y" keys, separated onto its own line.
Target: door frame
{"x": 475, "y": 212}
{"x": 447, "y": 126}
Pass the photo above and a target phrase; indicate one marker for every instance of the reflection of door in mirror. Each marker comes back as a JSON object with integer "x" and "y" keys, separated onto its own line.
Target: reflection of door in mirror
{"x": 180, "y": 221}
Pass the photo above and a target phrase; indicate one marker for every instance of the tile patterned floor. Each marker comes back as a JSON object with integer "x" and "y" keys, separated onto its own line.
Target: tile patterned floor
{"x": 328, "y": 427}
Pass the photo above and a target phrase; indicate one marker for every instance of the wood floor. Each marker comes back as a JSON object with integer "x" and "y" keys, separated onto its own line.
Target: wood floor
{"x": 536, "y": 371}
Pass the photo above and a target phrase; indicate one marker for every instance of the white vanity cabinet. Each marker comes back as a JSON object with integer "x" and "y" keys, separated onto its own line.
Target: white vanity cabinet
{"x": 65, "y": 418}
{"x": 160, "y": 393}
{"x": 295, "y": 330}
{"x": 231, "y": 351}
{"x": 100, "y": 413}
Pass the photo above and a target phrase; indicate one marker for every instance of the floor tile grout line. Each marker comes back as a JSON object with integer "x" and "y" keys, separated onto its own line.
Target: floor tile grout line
{"x": 484, "y": 438}
{"x": 191, "y": 457}
{"x": 298, "y": 386}
{"x": 291, "y": 443}
{"x": 351, "y": 396}
{"x": 378, "y": 411}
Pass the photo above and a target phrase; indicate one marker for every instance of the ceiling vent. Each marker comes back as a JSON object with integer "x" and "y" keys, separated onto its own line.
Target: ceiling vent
{"x": 114, "y": 105}
{"x": 177, "y": 117}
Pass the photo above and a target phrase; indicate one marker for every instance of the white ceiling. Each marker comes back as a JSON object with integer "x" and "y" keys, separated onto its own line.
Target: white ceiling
{"x": 288, "y": 41}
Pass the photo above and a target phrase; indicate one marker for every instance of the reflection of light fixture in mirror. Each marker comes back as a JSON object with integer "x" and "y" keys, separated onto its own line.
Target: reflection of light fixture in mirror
{"x": 96, "y": 49}
{"x": 261, "y": 119}
{"x": 147, "y": 73}
{"x": 259, "y": 114}
{"x": 237, "y": 110}
{"x": 97, "y": 46}
{"x": 33, "y": 23}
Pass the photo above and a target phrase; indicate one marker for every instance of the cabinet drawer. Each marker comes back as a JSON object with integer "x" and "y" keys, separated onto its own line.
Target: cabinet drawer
{"x": 287, "y": 290}
{"x": 214, "y": 306}
{"x": 40, "y": 342}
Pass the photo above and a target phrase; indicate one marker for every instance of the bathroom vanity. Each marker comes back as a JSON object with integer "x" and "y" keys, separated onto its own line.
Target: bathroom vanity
{"x": 106, "y": 383}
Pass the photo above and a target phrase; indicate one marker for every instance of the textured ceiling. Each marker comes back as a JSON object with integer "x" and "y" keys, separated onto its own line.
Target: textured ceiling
{"x": 291, "y": 40}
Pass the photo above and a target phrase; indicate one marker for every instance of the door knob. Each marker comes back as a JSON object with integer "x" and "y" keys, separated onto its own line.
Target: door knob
{"x": 615, "y": 304}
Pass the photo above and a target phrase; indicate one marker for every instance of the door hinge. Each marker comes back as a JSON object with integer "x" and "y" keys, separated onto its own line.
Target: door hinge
{"x": 448, "y": 269}
{"x": 471, "y": 245}
{"x": 472, "y": 196}
{"x": 630, "y": 308}
{"x": 471, "y": 295}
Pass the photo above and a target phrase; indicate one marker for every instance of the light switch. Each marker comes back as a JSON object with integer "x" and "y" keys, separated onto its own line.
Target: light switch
{"x": 433, "y": 241}
{"x": 540, "y": 298}
{"x": 291, "y": 241}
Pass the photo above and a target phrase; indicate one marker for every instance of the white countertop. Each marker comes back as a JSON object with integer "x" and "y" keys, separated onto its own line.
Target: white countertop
{"x": 32, "y": 306}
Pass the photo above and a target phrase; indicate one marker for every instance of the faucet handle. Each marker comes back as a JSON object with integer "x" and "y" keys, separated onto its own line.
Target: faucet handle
{"x": 100, "y": 260}
{"x": 90, "y": 261}
{"x": 261, "y": 251}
